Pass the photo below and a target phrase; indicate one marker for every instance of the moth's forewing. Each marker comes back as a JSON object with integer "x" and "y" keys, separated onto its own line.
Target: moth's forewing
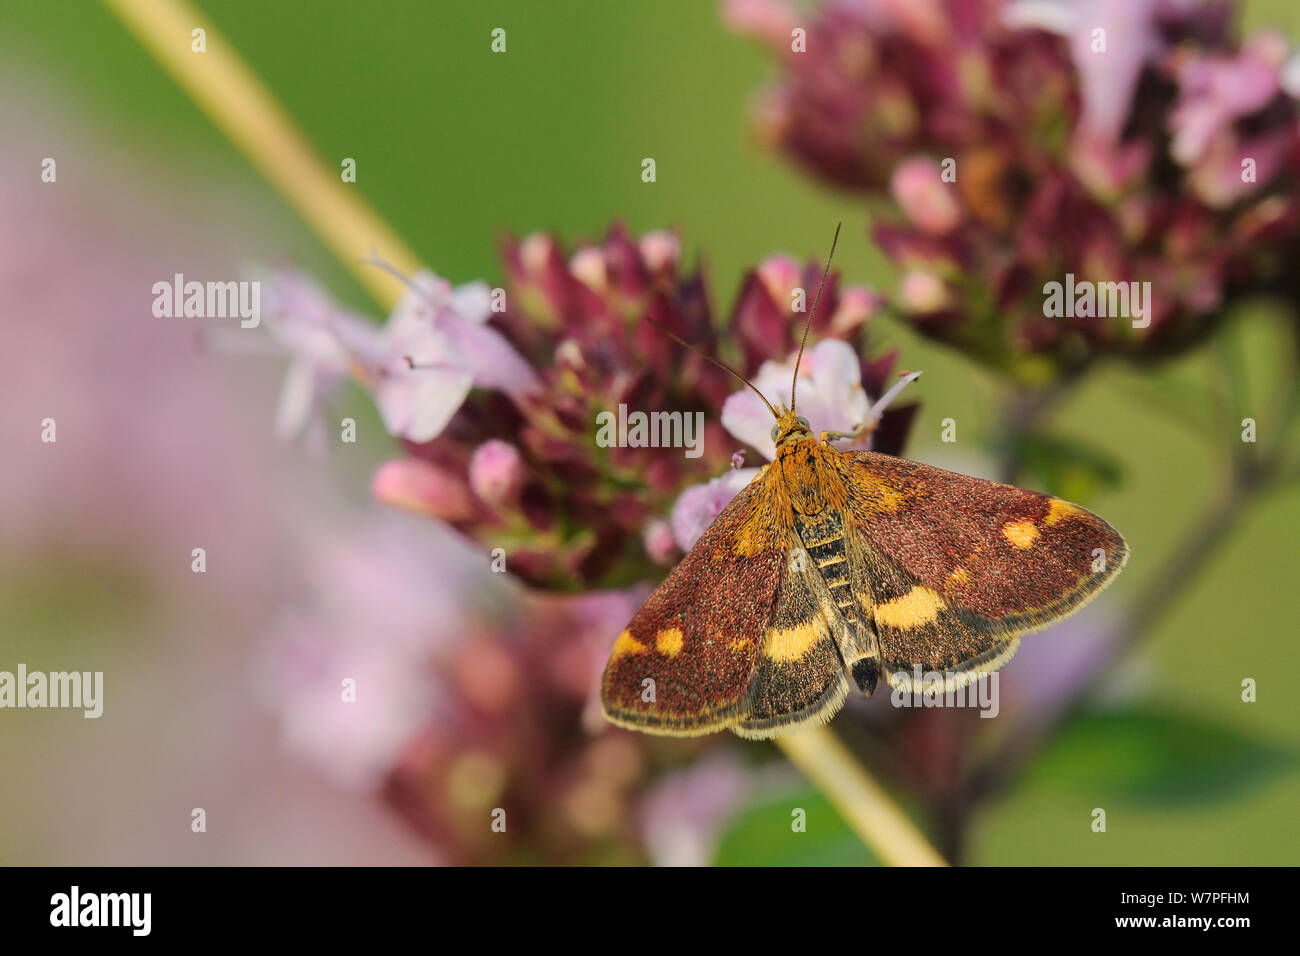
{"x": 959, "y": 566}
{"x": 684, "y": 664}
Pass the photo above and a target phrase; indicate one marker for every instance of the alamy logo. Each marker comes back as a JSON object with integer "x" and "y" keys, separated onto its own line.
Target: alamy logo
{"x": 935, "y": 689}
{"x": 102, "y": 909}
{"x": 1102, "y": 300}
{"x": 209, "y": 300}
{"x": 74, "y": 689}
{"x": 653, "y": 430}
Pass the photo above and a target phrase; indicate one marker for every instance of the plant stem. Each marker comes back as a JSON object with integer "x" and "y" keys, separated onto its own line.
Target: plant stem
{"x": 1022, "y": 414}
{"x": 863, "y": 802}
{"x": 238, "y": 103}
{"x": 227, "y": 90}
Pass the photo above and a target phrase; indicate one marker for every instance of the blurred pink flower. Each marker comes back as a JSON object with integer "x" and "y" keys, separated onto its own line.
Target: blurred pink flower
{"x": 1125, "y": 141}
{"x": 321, "y": 340}
{"x": 436, "y": 346}
{"x": 420, "y": 366}
{"x": 422, "y": 487}
{"x": 929, "y": 202}
{"x": 161, "y": 448}
{"x": 385, "y": 596}
{"x": 682, "y": 815}
{"x": 496, "y": 471}
{"x": 1108, "y": 76}
{"x": 1217, "y": 90}
{"x": 660, "y": 544}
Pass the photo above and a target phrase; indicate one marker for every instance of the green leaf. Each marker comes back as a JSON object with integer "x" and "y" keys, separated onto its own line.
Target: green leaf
{"x": 1151, "y": 755}
{"x": 1068, "y": 468}
{"x": 762, "y": 835}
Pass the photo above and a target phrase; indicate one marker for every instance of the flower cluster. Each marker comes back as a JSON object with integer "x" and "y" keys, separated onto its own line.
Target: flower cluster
{"x": 489, "y": 704}
{"x": 405, "y": 669}
{"x": 501, "y": 410}
{"x": 1025, "y": 143}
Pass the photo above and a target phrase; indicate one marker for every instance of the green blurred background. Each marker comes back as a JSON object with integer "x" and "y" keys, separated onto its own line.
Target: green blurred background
{"x": 456, "y": 146}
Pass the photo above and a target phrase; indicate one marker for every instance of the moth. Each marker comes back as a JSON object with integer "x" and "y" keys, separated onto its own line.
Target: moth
{"x": 839, "y": 569}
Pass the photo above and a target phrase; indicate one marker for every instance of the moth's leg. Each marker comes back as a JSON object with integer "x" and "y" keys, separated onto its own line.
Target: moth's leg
{"x": 858, "y": 434}
{"x": 827, "y": 437}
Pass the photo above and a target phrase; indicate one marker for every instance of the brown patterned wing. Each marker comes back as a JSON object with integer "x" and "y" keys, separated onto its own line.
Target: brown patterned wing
{"x": 958, "y": 567}
{"x": 685, "y": 663}
{"x": 800, "y": 678}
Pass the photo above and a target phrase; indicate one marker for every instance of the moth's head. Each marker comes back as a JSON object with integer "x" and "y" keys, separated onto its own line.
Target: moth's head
{"x": 790, "y": 428}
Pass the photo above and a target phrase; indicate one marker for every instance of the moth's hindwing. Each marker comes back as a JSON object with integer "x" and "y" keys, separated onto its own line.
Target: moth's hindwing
{"x": 800, "y": 677}
{"x": 685, "y": 663}
{"x": 959, "y": 567}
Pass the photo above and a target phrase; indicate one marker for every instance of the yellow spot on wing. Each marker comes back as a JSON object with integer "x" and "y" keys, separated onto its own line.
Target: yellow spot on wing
{"x": 1022, "y": 534}
{"x": 793, "y": 643}
{"x": 959, "y": 577}
{"x": 626, "y": 644}
{"x": 875, "y": 496}
{"x": 737, "y": 646}
{"x": 1058, "y": 511}
{"x": 669, "y": 642}
{"x": 917, "y": 607}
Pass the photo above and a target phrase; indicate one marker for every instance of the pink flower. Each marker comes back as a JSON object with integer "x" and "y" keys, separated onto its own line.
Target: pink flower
{"x": 1216, "y": 91}
{"x": 830, "y": 396}
{"x": 369, "y": 616}
{"x": 420, "y": 367}
{"x": 660, "y": 544}
{"x": 923, "y": 292}
{"x": 1107, "y": 78}
{"x": 576, "y": 513}
{"x": 929, "y": 202}
{"x": 435, "y": 347}
{"x": 1128, "y": 85}
{"x": 321, "y": 339}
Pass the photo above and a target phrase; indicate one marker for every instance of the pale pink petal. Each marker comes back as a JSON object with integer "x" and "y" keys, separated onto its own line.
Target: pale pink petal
{"x": 747, "y": 419}
{"x": 417, "y": 404}
{"x": 298, "y": 398}
{"x": 473, "y": 300}
{"x": 487, "y": 356}
{"x": 698, "y": 507}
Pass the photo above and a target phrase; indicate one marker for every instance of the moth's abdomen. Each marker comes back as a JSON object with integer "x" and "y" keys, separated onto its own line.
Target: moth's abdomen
{"x": 823, "y": 538}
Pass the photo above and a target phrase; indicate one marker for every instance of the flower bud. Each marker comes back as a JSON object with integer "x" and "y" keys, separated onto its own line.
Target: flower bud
{"x": 496, "y": 471}
{"x": 416, "y": 485}
{"x": 927, "y": 201}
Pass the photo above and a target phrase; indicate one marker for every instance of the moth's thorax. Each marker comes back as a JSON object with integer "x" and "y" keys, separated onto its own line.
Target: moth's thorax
{"x": 809, "y": 475}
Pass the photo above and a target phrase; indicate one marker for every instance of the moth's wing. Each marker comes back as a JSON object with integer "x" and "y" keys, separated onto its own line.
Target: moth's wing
{"x": 800, "y": 677}
{"x": 958, "y": 567}
{"x": 685, "y": 662}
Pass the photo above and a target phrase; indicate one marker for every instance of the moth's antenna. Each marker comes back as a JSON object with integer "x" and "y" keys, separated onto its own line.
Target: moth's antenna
{"x": 708, "y": 358}
{"x": 808, "y": 325}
